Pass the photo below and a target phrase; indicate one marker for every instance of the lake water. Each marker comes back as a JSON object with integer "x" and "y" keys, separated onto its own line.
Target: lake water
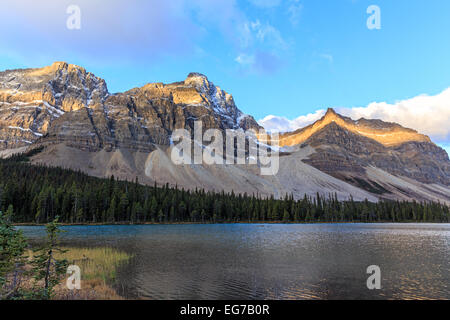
{"x": 277, "y": 261}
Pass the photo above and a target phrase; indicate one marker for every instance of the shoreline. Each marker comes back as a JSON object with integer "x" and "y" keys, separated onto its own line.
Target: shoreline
{"x": 28, "y": 224}
{"x": 99, "y": 267}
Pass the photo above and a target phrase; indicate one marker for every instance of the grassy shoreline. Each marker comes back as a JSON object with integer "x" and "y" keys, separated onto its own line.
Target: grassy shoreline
{"x": 98, "y": 273}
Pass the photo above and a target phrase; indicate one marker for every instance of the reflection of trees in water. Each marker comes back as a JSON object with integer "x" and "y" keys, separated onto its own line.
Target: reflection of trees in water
{"x": 246, "y": 261}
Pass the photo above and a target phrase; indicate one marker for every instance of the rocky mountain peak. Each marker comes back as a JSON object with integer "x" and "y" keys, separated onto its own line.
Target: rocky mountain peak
{"x": 388, "y": 134}
{"x": 57, "y": 79}
{"x": 331, "y": 116}
{"x": 69, "y": 112}
{"x": 330, "y": 111}
{"x": 196, "y": 75}
{"x": 62, "y": 65}
{"x": 56, "y": 69}
{"x": 200, "y": 82}
{"x": 64, "y": 102}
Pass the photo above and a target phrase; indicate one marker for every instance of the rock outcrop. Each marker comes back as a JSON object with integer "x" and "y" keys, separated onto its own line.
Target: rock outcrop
{"x": 31, "y": 100}
{"x": 345, "y": 149}
{"x": 82, "y": 126}
{"x": 63, "y": 103}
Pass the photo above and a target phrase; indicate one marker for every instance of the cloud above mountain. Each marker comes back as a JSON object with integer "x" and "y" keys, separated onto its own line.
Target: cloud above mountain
{"x": 135, "y": 30}
{"x": 40, "y": 28}
{"x": 282, "y": 124}
{"x": 427, "y": 114}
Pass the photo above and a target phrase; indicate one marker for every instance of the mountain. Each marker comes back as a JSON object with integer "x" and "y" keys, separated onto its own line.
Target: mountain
{"x": 385, "y": 133}
{"x": 362, "y": 152}
{"x": 63, "y": 103}
{"x": 81, "y": 125}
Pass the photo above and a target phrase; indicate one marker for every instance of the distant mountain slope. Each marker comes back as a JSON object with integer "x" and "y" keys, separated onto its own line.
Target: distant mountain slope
{"x": 350, "y": 150}
{"x": 71, "y": 113}
{"x": 422, "y": 161}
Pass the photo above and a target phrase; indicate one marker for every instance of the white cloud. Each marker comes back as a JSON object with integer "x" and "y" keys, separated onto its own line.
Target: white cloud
{"x": 268, "y": 34}
{"x": 261, "y": 47}
{"x": 158, "y": 29}
{"x": 429, "y": 115}
{"x": 281, "y": 124}
{"x": 245, "y": 59}
{"x": 262, "y": 35}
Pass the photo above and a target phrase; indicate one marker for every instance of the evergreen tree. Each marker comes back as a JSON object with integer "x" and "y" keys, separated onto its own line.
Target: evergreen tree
{"x": 46, "y": 267}
{"x": 286, "y": 216}
{"x": 40, "y": 193}
{"x": 12, "y": 256}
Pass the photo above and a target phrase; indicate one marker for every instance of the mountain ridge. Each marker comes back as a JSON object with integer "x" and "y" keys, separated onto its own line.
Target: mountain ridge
{"x": 45, "y": 102}
{"x": 81, "y": 125}
{"x": 386, "y": 133}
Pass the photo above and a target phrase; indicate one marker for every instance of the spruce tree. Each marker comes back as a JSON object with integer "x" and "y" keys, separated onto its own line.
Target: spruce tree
{"x": 46, "y": 267}
{"x": 12, "y": 256}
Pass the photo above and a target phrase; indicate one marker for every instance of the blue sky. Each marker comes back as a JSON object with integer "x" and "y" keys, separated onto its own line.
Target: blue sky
{"x": 282, "y": 57}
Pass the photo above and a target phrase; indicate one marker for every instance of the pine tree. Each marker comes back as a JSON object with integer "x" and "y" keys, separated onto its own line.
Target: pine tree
{"x": 39, "y": 193}
{"x": 45, "y": 266}
{"x": 154, "y": 209}
{"x": 12, "y": 255}
{"x": 160, "y": 216}
{"x": 112, "y": 211}
{"x": 286, "y": 216}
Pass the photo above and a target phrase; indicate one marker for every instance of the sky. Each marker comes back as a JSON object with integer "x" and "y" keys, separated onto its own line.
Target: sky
{"x": 284, "y": 61}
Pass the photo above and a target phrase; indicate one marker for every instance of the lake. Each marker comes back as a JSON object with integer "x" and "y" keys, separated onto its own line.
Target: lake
{"x": 274, "y": 261}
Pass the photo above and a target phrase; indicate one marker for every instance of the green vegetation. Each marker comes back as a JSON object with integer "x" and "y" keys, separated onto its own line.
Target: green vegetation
{"x": 39, "y": 194}
{"x": 95, "y": 263}
{"x": 46, "y": 266}
{"x": 40, "y": 273}
{"x": 12, "y": 256}
{"x": 16, "y": 269}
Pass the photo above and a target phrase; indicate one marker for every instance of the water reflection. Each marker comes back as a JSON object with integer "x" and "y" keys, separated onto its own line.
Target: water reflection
{"x": 240, "y": 261}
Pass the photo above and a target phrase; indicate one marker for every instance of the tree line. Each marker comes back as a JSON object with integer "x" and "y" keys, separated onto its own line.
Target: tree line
{"x": 38, "y": 194}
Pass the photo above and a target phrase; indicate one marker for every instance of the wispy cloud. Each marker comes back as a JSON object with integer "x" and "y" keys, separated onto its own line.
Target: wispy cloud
{"x": 137, "y": 30}
{"x": 158, "y": 27}
{"x": 268, "y": 34}
{"x": 262, "y": 45}
{"x": 245, "y": 59}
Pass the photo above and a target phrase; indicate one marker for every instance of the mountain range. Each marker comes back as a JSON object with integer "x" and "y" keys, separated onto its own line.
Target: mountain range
{"x": 80, "y": 125}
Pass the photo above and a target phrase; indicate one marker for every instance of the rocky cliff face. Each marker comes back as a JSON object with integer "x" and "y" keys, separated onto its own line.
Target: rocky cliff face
{"x": 82, "y": 126}
{"x": 63, "y": 103}
{"x": 32, "y": 100}
{"x": 346, "y": 148}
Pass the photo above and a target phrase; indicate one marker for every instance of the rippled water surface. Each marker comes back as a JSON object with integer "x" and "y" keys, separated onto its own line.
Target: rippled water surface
{"x": 251, "y": 261}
